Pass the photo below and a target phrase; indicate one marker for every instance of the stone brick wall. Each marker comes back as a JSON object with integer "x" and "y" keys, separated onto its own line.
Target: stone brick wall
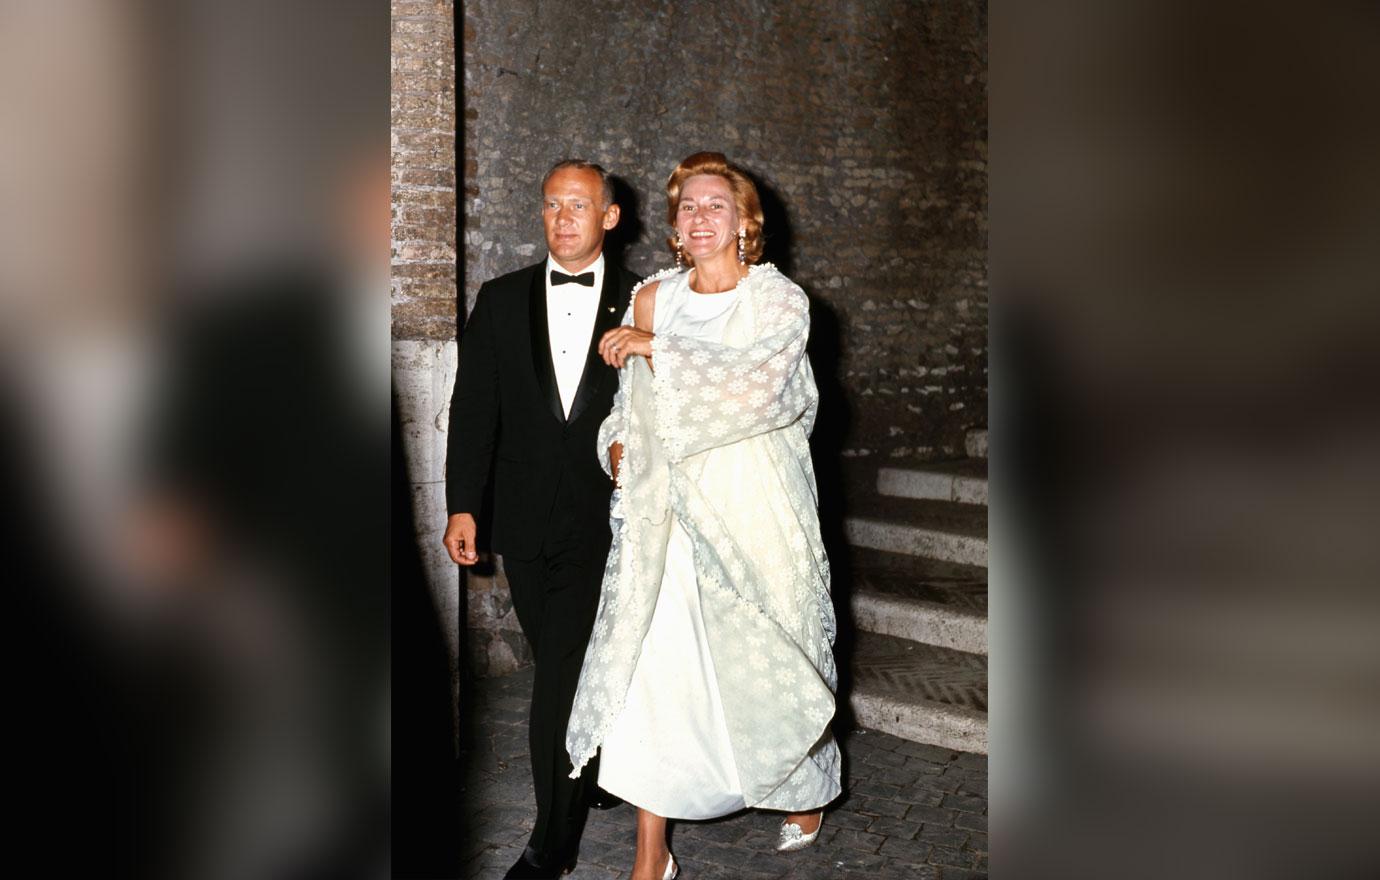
{"x": 865, "y": 120}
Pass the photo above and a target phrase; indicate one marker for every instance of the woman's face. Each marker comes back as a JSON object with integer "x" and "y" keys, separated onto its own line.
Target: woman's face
{"x": 707, "y": 217}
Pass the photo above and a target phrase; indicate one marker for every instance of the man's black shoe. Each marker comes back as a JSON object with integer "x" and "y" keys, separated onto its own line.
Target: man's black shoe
{"x": 602, "y": 800}
{"x": 531, "y": 866}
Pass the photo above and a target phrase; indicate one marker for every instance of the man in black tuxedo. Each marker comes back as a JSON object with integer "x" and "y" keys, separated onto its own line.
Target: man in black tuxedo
{"x": 530, "y": 394}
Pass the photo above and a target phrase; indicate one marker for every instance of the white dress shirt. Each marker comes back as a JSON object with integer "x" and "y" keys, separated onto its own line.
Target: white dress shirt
{"x": 570, "y": 313}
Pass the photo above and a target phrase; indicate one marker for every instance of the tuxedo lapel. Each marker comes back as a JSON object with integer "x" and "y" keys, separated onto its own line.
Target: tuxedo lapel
{"x": 605, "y": 319}
{"x": 542, "y": 364}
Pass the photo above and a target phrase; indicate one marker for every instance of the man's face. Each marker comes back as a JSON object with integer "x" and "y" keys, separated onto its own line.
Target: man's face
{"x": 575, "y": 217}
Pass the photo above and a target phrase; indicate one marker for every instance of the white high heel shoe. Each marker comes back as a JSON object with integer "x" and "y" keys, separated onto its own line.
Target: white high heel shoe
{"x": 793, "y": 837}
{"x": 672, "y": 869}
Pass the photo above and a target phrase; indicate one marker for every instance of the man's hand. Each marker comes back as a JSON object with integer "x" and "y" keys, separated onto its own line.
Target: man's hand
{"x": 459, "y": 539}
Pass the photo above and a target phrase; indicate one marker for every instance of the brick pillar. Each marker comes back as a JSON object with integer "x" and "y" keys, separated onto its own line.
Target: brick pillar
{"x": 423, "y": 283}
{"x": 424, "y": 268}
{"x": 424, "y": 290}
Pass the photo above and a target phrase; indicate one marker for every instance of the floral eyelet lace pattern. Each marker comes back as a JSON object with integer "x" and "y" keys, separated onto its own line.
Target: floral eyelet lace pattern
{"x": 718, "y": 437}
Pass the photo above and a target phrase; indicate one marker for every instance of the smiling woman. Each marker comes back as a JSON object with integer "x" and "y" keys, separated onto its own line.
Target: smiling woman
{"x": 701, "y": 190}
{"x": 709, "y": 680}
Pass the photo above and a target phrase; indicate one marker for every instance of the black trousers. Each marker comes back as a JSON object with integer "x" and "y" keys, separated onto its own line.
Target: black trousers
{"x": 555, "y": 596}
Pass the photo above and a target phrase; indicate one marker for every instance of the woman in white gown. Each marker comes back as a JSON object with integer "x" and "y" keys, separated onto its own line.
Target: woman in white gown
{"x": 709, "y": 680}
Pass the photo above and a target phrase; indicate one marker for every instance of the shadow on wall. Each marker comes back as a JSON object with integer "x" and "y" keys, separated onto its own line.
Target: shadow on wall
{"x": 628, "y": 232}
{"x": 826, "y": 450}
{"x": 778, "y": 239}
{"x": 826, "y": 441}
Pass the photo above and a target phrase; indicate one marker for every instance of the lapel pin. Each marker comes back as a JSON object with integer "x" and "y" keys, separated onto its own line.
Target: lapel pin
{"x": 611, "y": 308}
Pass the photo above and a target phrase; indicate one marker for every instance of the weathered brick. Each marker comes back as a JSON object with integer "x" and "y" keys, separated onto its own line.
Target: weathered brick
{"x": 423, "y": 117}
{"x": 431, "y": 79}
{"x": 430, "y": 8}
{"x": 847, "y": 838}
{"x": 948, "y": 873}
{"x": 408, "y": 272}
{"x": 932, "y": 815}
{"x": 425, "y": 177}
{"x": 973, "y": 762}
{"x": 422, "y": 232}
{"x": 421, "y": 139}
{"x": 434, "y": 318}
{"x": 848, "y": 819}
{"x": 879, "y": 807}
{"x": 896, "y": 869}
{"x": 951, "y": 860}
{"x": 928, "y": 753}
{"x": 881, "y": 758}
{"x": 967, "y": 802}
{"x": 443, "y": 291}
{"x": 941, "y": 836}
{"x": 901, "y": 849}
{"x": 872, "y": 788}
{"x": 889, "y": 826}
{"x": 412, "y": 196}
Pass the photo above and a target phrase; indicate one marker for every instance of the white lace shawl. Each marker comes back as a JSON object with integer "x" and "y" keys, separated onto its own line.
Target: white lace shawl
{"x": 749, "y": 403}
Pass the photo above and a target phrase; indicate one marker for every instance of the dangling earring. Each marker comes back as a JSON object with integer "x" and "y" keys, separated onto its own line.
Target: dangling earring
{"x": 742, "y": 245}
{"x": 680, "y": 255}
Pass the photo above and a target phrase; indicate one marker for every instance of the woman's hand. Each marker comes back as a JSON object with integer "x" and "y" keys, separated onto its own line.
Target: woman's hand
{"x": 615, "y": 459}
{"x": 620, "y": 342}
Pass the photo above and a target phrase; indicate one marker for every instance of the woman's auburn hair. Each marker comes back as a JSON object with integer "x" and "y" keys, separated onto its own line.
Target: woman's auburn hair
{"x": 744, "y": 196}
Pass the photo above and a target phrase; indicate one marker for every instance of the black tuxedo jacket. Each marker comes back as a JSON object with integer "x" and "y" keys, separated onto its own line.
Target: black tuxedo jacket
{"x": 506, "y": 415}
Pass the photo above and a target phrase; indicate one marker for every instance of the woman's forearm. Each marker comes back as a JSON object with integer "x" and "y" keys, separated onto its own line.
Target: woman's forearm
{"x": 615, "y": 456}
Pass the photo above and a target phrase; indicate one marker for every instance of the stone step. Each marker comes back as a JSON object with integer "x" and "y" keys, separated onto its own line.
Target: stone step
{"x": 964, "y": 481}
{"x": 919, "y": 692}
{"x": 942, "y": 530}
{"x": 910, "y": 597}
{"x": 976, "y": 443}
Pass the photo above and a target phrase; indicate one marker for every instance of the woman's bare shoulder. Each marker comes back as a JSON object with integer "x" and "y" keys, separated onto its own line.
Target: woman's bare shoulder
{"x": 644, "y": 305}
{"x": 647, "y": 293}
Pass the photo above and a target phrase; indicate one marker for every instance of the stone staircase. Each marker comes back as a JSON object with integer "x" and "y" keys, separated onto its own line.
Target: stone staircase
{"x": 918, "y": 549}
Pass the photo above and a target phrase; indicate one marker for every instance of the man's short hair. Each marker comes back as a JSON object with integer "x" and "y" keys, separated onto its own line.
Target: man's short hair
{"x": 584, "y": 165}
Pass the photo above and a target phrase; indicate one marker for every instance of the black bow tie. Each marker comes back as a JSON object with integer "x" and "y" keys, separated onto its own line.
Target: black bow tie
{"x": 585, "y": 278}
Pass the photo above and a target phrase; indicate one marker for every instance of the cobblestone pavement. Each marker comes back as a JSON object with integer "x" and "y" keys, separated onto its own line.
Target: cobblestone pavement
{"x": 908, "y": 811}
